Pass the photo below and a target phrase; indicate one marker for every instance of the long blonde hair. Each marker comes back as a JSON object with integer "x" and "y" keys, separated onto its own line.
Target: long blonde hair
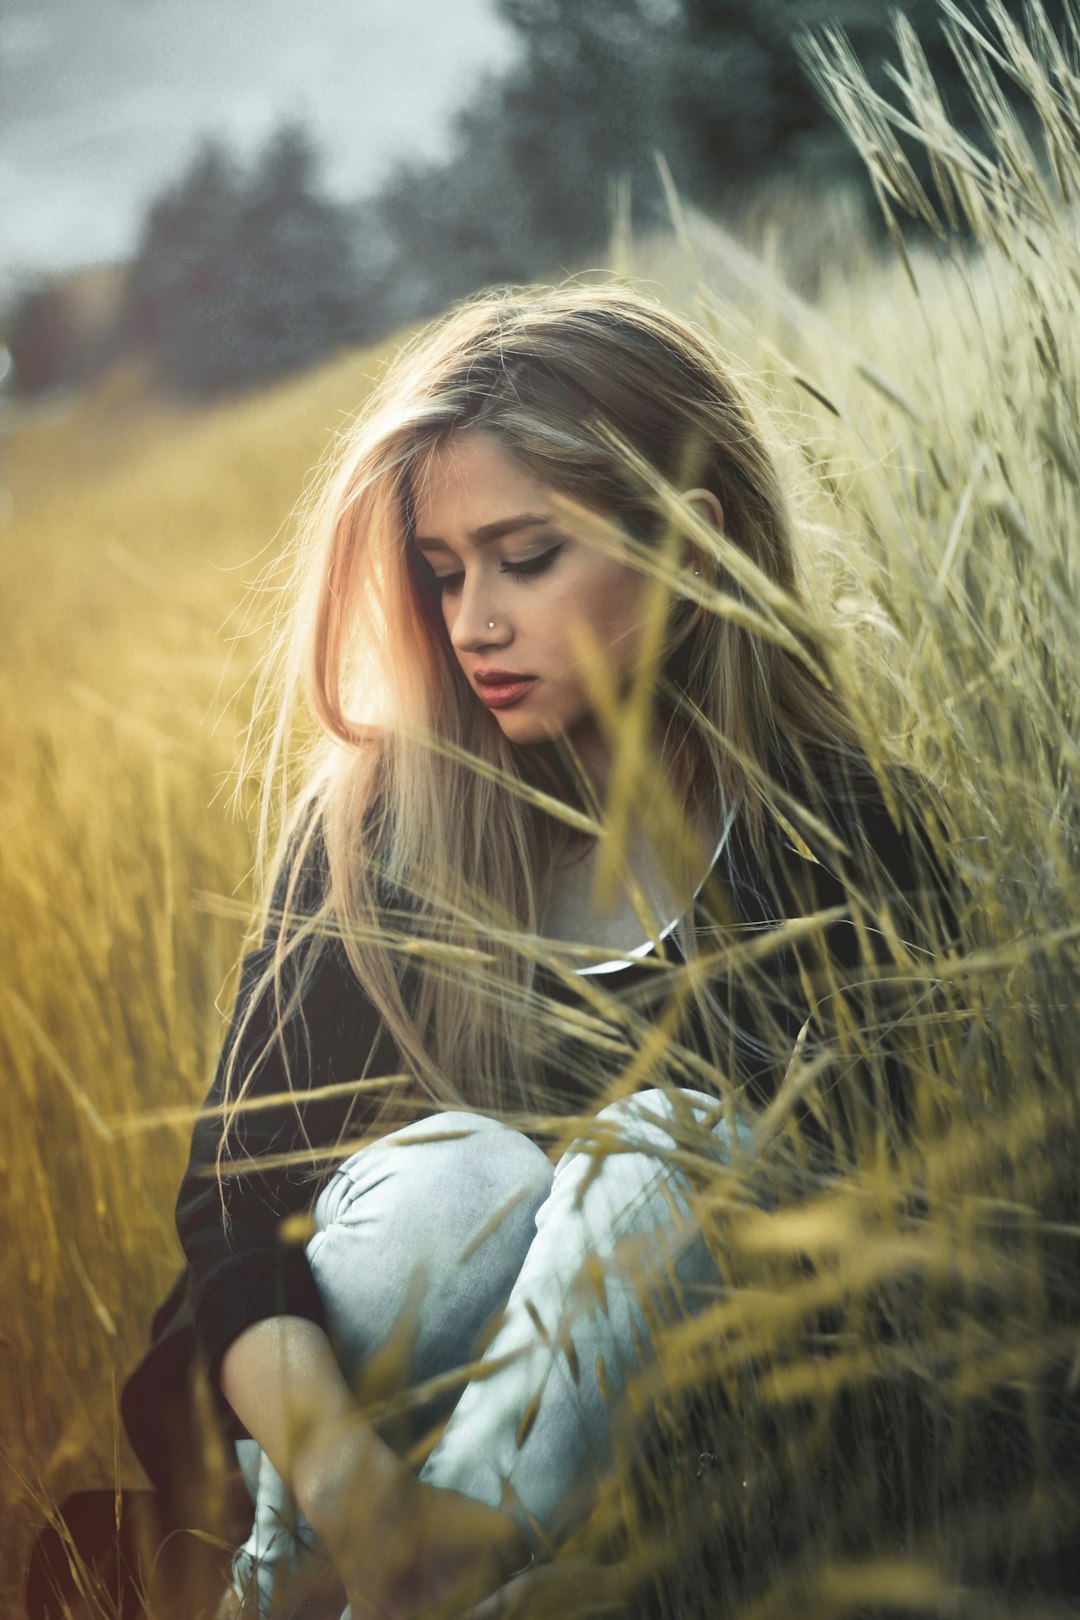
{"x": 434, "y": 832}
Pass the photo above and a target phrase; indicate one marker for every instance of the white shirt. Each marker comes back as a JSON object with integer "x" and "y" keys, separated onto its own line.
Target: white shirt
{"x": 648, "y": 945}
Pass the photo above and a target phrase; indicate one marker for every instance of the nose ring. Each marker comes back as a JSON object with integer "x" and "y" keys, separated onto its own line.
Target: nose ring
{"x": 491, "y": 624}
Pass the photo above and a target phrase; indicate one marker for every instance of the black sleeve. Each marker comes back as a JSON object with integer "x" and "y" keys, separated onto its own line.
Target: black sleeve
{"x": 897, "y": 866}
{"x": 861, "y": 1006}
{"x": 241, "y": 1269}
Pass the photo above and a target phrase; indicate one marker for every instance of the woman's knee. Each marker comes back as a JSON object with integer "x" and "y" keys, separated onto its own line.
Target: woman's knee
{"x": 657, "y": 1118}
{"x": 433, "y": 1221}
{"x": 622, "y": 1173}
{"x": 443, "y": 1170}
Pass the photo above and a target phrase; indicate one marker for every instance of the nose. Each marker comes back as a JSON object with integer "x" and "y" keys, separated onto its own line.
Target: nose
{"x": 476, "y": 621}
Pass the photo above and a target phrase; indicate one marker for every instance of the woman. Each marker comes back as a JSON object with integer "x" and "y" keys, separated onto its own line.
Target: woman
{"x": 577, "y": 738}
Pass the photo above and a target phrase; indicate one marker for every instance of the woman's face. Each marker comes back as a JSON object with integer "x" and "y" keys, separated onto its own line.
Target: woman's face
{"x": 515, "y": 584}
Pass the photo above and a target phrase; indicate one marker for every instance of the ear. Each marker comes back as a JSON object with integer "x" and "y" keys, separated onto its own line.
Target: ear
{"x": 707, "y": 506}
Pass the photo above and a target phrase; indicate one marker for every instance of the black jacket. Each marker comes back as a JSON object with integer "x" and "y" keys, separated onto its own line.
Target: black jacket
{"x": 172, "y": 1407}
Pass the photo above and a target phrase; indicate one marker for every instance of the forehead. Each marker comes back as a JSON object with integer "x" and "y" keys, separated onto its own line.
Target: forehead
{"x": 469, "y": 480}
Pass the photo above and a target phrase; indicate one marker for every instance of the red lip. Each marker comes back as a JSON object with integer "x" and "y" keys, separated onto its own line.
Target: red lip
{"x": 500, "y": 677}
{"x": 501, "y": 688}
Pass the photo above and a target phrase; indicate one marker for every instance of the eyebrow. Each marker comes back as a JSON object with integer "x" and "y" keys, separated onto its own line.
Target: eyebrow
{"x": 487, "y": 531}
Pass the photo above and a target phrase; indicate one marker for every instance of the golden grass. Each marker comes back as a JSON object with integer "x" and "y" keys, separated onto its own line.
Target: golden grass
{"x": 137, "y": 527}
{"x": 929, "y": 406}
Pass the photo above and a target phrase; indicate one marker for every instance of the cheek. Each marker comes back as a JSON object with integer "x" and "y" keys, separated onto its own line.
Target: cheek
{"x": 611, "y": 606}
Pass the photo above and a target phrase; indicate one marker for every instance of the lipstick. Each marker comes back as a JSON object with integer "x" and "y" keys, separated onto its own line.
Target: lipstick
{"x": 499, "y": 688}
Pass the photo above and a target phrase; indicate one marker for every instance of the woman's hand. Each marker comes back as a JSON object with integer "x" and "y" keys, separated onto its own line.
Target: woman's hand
{"x": 569, "y": 1588}
{"x": 399, "y": 1546}
{"x": 437, "y": 1548}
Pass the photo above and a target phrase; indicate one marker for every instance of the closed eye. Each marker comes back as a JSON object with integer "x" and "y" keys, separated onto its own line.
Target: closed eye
{"x": 450, "y": 584}
{"x": 534, "y": 565}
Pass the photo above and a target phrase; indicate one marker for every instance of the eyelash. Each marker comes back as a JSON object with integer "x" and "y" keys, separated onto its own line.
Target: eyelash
{"x": 524, "y": 571}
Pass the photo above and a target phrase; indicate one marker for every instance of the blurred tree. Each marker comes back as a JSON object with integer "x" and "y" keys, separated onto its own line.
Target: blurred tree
{"x": 738, "y": 95}
{"x": 593, "y": 95}
{"x": 602, "y": 86}
{"x": 741, "y": 100}
{"x": 292, "y": 291}
{"x": 45, "y": 340}
{"x": 179, "y": 286}
{"x": 527, "y": 185}
{"x": 239, "y": 277}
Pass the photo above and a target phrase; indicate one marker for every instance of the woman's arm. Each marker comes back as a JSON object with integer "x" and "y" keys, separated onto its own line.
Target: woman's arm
{"x": 260, "y": 1327}
{"x": 282, "y": 1379}
{"x": 398, "y": 1545}
{"x": 246, "y": 1268}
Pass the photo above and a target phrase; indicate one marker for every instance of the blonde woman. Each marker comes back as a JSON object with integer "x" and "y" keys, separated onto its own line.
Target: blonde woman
{"x": 575, "y": 741}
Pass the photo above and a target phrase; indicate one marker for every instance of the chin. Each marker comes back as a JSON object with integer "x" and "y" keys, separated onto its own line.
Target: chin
{"x": 524, "y": 729}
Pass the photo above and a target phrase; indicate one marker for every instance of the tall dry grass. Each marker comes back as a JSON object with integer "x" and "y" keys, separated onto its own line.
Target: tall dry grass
{"x": 137, "y": 528}
{"x": 879, "y": 1416}
{"x": 920, "y": 1455}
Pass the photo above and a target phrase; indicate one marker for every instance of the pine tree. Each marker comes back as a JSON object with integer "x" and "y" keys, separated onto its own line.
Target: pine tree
{"x": 178, "y": 291}
{"x": 293, "y": 293}
{"x": 240, "y": 277}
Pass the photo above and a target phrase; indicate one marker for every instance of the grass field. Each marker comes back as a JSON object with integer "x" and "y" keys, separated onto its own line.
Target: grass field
{"x": 136, "y": 527}
{"x": 928, "y": 416}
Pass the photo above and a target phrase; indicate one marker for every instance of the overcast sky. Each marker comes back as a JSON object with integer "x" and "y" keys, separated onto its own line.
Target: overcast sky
{"x": 103, "y": 101}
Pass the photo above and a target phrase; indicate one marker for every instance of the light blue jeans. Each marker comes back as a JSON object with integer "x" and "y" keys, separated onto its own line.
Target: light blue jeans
{"x": 464, "y": 1225}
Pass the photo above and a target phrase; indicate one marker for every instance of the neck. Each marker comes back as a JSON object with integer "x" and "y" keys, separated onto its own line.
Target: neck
{"x": 581, "y": 763}
{"x": 655, "y": 800}
{"x": 593, "y": 757}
